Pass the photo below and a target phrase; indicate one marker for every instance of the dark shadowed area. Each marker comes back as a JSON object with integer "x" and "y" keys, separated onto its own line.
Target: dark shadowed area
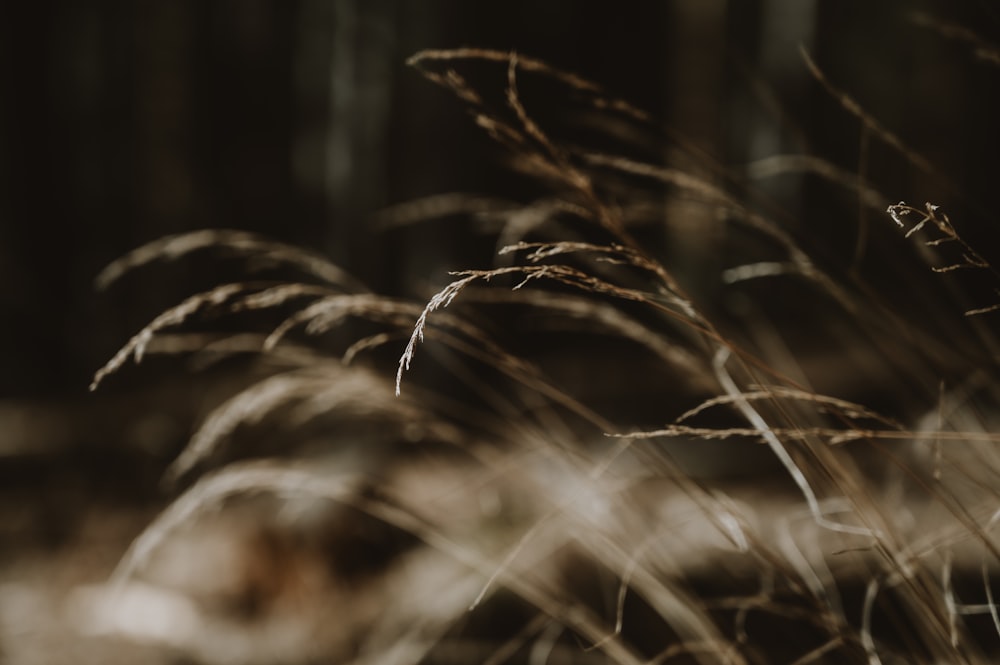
{"x": 300, "y": 120}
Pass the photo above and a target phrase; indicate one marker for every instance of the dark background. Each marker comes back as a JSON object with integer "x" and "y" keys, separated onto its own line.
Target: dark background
{"x": 121, "y": 122}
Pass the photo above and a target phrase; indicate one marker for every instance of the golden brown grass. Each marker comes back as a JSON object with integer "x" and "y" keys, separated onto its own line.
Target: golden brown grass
{"x": 549, "y": 530}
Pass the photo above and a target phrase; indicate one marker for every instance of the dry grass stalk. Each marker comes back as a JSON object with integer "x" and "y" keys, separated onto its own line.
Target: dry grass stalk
{"x": 932, "y": 216}
{"x": 317, "y": 390}
{"x": 236, "y": 480}
{"x": 833, "y": 551}
{"x": 872, "y": 125}
{"x": 984, "y": 50}
{"x": 262, "y": 251}
{"x": 175, "y": 316}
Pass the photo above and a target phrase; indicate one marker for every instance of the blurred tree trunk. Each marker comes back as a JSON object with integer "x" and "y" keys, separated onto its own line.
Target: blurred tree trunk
{"x": 695, "y": 53}
{"x": 344, "y": 80}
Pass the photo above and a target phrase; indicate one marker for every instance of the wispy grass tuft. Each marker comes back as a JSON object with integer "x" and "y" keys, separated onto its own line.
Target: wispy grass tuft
{"x": 519, "y": 513}
{"x": 946, "y": 238}
{"x": 259, "y": 251}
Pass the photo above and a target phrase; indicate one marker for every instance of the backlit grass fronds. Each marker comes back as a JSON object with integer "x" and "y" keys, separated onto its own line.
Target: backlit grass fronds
{"x": 591, "y": 314}
{"x": 932, "y": 220}
{"x": 838, "y": 407}
{"x": 983, "y": 49}
{"x": 304, "y": 393}
{"x": 449, "y": 79}
{"x": 259, "y": 252}
{"x": 438, "y": 206}
{"x": 227, "y": 298}
{"x": 236, "y": 480}
{"x": 872, "y": 125}
{"x": 775, "y": 165}
{"x": 175, "y": 316}
{"x": 519, "y": 507}
{"x": 562, "y": 274}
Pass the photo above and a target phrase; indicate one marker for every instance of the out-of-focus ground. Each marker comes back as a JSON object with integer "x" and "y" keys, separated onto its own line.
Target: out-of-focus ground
{"x": 45, "y": 616}
{"x": 78, "y": 481}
